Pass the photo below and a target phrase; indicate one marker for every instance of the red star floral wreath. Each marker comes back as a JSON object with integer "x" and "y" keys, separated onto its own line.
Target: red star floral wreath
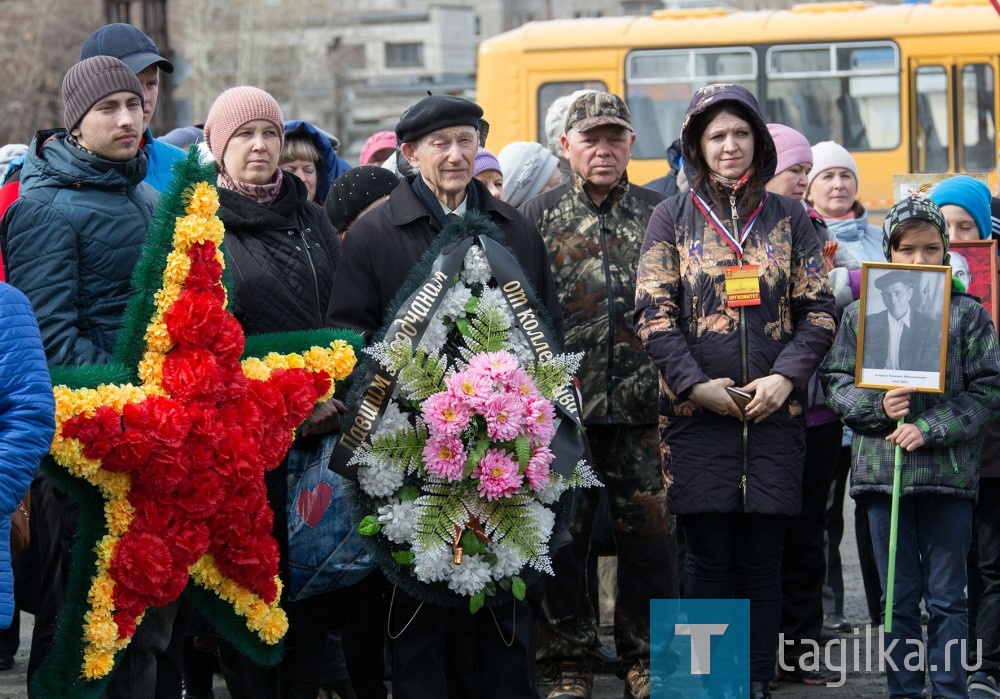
{"x": 166, "y": 449}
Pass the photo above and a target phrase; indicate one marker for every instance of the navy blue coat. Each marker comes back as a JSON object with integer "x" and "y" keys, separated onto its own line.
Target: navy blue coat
{"x": 27, "y": 422}
{"x": 72, "y": 239}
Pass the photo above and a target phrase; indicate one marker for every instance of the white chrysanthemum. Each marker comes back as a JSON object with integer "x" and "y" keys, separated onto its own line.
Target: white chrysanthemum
{"x": 509, "y": 562}
{"x": 434, "y": 336}
{"x": 394, "y": 419}
{"x": 398, "y": 520}
{"x": 379, "y": 482}
{"x": 553, "y": 490}
{"x": 433, "y": 565}
{"x": 453, "y": 305}
{"x": 545, "y": 518}
{"x": 477, "y": 267}
{"x": 470, "y": 576}
{"x": 520, "y": 347}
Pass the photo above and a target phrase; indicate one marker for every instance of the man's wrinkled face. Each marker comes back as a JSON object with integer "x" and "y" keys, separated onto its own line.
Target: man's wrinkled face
{"x": 599, "y": 155}
{"x": 445, "y": 159}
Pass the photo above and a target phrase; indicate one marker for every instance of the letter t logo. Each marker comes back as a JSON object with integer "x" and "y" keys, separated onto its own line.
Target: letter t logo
{"x": 701, "y": 644}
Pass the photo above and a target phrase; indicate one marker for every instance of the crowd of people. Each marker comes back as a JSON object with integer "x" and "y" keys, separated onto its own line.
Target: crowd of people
{"x": 717, "y": 313}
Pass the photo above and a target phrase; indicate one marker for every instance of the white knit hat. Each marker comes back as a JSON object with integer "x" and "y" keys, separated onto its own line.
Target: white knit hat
{"x": 829, "y": 154}
{"x": 526, "y": 166}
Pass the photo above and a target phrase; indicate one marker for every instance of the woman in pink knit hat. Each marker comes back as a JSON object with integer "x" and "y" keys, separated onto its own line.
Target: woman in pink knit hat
{"x": 282, "y": 253}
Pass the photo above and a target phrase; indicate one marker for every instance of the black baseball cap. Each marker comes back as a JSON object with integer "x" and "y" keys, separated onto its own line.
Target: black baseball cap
{"x": 126, "y": 43}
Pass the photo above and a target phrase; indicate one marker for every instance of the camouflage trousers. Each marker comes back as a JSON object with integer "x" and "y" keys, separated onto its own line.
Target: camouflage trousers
{"x": 627, "y": 460}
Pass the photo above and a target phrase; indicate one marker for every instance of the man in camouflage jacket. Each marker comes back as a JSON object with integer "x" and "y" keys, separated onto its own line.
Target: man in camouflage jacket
{"x": 593, "y": 227}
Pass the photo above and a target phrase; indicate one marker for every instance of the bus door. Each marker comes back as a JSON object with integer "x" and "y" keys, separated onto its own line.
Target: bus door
{"x": 953, "y": 114}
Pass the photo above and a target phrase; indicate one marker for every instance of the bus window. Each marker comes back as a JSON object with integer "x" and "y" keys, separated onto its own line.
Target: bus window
{"x": 931, "y": 123}
{"x": 549, "y": 92}
{"x": 978, "y": 122}
{"x": 659, "y": 85}
{"x": 843, "y": 92}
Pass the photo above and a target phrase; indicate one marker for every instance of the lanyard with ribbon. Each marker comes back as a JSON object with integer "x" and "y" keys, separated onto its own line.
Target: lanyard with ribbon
{"x": 735, "y": 243}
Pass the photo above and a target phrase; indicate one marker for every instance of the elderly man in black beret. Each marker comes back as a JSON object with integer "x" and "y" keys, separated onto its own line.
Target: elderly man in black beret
{"x": 441, "y": 652}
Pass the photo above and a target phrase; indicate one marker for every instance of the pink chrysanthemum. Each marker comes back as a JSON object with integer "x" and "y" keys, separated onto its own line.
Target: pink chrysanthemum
{"x": 444, "y": 457}
{"x": 497, "y": 365}
{"x": 518, "y": 381}
{"x": 539, "y": 420}
{"x": 445, "y": 414}
{"x": 537, "y": 471}
{"x": 504, "y": 413}
{"x": 498, "y": 475}
{"x": 471, "y": 387}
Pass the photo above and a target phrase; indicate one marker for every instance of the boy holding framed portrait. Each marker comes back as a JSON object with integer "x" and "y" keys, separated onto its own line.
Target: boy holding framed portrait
{"x": 938, "y": 426}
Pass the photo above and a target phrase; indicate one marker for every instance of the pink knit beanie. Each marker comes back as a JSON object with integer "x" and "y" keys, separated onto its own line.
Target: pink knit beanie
{"x": 793, "y": 148}
{"x": 235, "y": 107}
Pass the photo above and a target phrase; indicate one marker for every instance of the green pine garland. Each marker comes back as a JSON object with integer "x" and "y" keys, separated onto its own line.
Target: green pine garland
{"x": 59, "y": 676}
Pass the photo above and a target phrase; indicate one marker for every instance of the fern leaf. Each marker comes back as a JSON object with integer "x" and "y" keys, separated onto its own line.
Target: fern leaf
{"x": 442, "y": 512}
{"x": 402, "y": 448}
{"x": 510, "y": 521}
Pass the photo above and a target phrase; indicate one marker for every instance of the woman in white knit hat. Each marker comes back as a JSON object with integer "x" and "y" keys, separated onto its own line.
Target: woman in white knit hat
{"x": 528, "y": 169}
{"x": 833, "y": 191}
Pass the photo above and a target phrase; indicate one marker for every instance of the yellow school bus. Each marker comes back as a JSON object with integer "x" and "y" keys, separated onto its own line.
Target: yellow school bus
{"x": 906, "y": 88}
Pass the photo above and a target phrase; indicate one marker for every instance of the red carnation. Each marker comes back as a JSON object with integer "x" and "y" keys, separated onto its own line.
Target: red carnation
{"x": 189, "y": 374}
{"x": 229, "y": 341}
{"x": 165, "y": 420}
{"x": 194, "y": 319}
{"x": 126, "y": 623}
{"x": 205, "y": 270}
{"x": 167, "y": 469}
{"x": 141, "y": 563}
{"x": 129, "y": 452}
{"x": 321, "y": 382}
{"x": 297, "y": 388}
{"x": 269, "y": 399}
{"x": 97, "y": 433}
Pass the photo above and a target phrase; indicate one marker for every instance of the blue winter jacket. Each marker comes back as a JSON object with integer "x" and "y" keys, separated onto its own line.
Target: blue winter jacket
{"x": 160, "y": 158}
{"x": 72, "y": 239}
{"x": 27, "y": 420}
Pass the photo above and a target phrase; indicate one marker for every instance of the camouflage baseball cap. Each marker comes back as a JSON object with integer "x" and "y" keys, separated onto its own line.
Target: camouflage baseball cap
{"x": 597, "y": 109}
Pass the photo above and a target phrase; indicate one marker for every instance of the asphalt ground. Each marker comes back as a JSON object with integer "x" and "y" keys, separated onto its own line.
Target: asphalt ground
{"x": 857, "y": 684}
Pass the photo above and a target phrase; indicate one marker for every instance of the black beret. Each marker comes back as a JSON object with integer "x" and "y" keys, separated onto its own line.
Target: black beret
{"x": 437, "y": 112}
{"x": 354, "y": 191}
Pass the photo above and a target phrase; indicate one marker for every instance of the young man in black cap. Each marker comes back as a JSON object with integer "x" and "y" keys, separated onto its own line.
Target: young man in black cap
{"x": 440, "y": 652}
{"x": 136, "y": 50}
{"x": 71, "y": 241}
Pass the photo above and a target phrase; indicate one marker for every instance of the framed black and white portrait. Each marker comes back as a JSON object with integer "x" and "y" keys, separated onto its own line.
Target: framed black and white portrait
{"x": 903, "y": 329}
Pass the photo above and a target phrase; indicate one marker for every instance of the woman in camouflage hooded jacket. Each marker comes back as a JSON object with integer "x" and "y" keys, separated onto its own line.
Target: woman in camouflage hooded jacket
{"x": 734, "y": 477}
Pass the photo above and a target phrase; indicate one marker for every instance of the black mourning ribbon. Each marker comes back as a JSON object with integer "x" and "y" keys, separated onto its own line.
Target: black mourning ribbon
{"x": 410, "y": 323}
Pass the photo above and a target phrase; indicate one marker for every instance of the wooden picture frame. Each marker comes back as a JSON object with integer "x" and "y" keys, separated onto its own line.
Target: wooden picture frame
{"x": 903, "y": 326}
{"x": 974, "y": 263}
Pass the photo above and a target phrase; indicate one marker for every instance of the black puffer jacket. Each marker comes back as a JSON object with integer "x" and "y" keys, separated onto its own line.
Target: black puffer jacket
{"x": 283, "y": 259}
